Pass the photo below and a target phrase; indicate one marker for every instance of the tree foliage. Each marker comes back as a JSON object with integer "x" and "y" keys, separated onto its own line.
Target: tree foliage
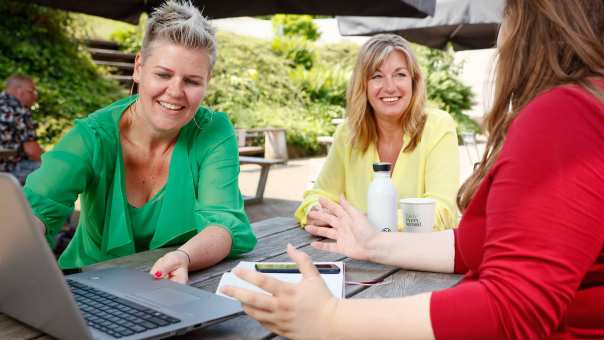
{"x": 258, "y": 88}
{"x": 444, "y": 87}
{"x": 292, "y": 25}
{"x": 39, "y": 42}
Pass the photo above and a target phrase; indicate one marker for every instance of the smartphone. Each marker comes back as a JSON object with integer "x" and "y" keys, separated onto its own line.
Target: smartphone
{"x": 292, "y": 268}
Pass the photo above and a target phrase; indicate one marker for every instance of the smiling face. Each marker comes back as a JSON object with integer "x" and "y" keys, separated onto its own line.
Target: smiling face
{"x": 172, "y": 82}
{"x": 390, "y": 87}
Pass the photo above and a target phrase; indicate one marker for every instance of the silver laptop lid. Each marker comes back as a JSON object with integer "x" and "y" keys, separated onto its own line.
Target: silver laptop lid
{"x": 32, "y": 288}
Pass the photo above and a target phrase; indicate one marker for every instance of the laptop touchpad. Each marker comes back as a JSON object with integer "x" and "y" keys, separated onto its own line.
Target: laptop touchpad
{"x": 168, "y": 297}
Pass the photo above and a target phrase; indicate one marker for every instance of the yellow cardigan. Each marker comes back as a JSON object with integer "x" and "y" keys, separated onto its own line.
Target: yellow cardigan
{"x": 431, "y": 170}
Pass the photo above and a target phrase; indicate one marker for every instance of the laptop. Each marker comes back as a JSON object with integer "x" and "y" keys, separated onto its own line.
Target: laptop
{"x": 115, "y": 303}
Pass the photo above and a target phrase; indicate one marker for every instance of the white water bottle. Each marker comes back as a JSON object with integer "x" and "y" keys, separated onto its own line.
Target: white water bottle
{"x": 382, "y": 199}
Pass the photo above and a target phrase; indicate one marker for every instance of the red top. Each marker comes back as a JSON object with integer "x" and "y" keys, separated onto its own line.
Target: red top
{"x": 532, "y": 239}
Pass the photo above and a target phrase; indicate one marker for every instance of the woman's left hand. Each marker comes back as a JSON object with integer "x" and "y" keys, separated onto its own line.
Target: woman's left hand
{"x": 173, "y": 265}
{"x": 298, "y": 311}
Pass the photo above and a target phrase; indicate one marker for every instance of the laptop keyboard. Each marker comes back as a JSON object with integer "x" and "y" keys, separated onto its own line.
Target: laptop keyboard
{"x": 116, "y": 316}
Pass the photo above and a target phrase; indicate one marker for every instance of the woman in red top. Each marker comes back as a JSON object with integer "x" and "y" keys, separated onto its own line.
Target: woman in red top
{"x": 531, "y": 240}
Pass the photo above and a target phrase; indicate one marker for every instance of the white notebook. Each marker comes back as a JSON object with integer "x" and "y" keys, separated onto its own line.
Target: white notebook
{"x": 334, "y": 282}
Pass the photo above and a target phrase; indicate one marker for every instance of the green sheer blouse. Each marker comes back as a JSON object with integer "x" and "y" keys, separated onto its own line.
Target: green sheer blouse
{"x": 201, "y": 189}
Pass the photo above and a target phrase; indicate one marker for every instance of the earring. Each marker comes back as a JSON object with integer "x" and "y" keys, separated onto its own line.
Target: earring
{"x": 134, "y": 88}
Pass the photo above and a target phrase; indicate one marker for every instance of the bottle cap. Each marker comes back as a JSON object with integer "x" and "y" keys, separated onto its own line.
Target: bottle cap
{"x": 382, "y": 166}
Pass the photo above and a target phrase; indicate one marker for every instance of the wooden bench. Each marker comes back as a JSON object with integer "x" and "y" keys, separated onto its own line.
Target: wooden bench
{"x": 275, "y": 145}
{"x": 265, "y": 167}
{"x": 251, "y": 150}
{"x": 328, "y": 140}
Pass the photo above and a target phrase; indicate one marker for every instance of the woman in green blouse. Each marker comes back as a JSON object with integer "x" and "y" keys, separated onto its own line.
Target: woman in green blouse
{"x": 153, "y": 169}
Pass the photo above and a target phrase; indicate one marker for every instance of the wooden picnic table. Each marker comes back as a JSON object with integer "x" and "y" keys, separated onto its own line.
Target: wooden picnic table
{"x": 273, "y": 235}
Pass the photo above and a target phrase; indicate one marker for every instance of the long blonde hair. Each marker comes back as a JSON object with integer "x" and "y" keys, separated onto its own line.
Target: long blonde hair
{"x": 361, "y": 117}
{"x": 547, "y": 43}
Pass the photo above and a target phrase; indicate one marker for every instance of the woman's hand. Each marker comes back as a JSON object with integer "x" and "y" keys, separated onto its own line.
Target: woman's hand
{"x": 350, "y": 230}
{"x": 298, "y": 311}
{"x": 173, "y": 265}
{"x": 313, "y": 221}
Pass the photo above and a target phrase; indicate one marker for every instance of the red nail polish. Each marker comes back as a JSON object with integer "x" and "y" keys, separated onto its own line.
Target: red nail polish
{"x": 157, "y": 274}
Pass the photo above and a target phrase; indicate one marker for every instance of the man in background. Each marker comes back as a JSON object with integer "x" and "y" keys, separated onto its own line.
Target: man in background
{"x": 20, "y": 150}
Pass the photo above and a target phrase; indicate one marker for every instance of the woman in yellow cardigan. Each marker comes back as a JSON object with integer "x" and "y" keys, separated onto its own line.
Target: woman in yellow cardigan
{"x": 388, "y": 122}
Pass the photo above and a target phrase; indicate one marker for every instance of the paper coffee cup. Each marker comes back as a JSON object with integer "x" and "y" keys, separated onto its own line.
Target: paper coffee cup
{"x": 418, "y": 214}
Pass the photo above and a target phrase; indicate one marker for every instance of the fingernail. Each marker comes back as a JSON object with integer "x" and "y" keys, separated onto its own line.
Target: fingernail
{"x": 157, "y": 274}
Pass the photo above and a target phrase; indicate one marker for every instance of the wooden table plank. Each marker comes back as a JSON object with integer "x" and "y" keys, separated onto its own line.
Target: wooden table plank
{"x": 270, "y": 233}
{"x": 407, "y": 282}
{"x": 273, "y": 226}
{"x": 271, "y": 246}
{"x": 140, "y": 261}
{"x": 230, "y": 330}
{"x": 360, "y": 271}
{"x": 13, "y": 329}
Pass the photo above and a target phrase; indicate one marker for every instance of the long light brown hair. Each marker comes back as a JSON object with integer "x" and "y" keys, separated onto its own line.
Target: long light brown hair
{"x": 545, "y": 43}
{"x": 361, "y": 117}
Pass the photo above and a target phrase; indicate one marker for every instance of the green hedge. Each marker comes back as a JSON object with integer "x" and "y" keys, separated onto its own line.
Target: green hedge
{"x": 444, "y": 87}
{"x": 257, "y": 88}
{"x": 40, "y": 42}
{"x": 292, "y": 25}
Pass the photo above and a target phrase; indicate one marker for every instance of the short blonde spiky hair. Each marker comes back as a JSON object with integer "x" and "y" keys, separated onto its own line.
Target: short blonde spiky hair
{"x": 181, "y": 23}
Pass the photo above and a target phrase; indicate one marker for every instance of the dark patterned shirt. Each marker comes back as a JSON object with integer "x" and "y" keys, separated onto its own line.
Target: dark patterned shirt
{"x": 16, "y": 128}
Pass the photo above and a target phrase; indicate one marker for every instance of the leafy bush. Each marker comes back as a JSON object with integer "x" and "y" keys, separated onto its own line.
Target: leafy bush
{"x": 40, "y": 42}
{"x": 247, "y": 73}
{"x": 324, "y": 84}
{"x": 297, "y": 50}
{"x": 291, "y": 25}
{"x": 130, "y": 39}
{"x": 444, "y": 87}
{"x": 252, "y": 84}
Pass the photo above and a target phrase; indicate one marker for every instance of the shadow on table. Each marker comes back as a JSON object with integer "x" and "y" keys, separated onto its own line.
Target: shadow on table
{"x": 271, "y": 207}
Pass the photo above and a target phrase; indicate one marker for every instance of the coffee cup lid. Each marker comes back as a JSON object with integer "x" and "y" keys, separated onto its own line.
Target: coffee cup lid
{"x": 417, "y": 200}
